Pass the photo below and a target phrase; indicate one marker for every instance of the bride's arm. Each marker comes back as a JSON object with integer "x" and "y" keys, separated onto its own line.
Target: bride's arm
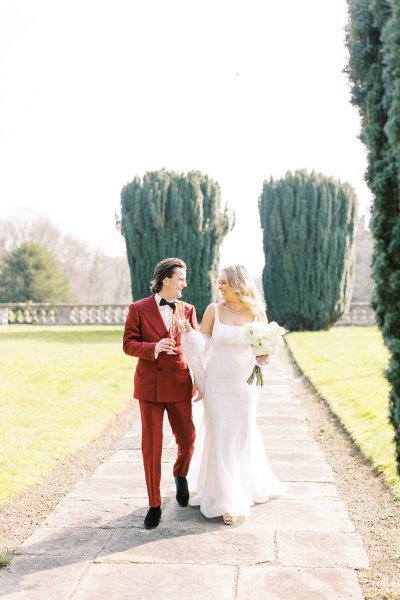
{"x": 196, "y": 346}
{"x": 207, "y": 323}
{"x": 199, "y": 340}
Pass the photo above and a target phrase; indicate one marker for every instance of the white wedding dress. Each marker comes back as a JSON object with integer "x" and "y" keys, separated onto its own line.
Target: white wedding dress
{"x": 229, "y": 469}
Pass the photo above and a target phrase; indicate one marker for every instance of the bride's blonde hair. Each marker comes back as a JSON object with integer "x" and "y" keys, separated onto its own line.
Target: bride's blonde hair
{"x": 240, "y": 281}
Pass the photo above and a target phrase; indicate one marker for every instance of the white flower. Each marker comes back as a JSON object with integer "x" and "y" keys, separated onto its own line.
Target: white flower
{"x": 277, "y": 328}
{"x": 263, "y": 338}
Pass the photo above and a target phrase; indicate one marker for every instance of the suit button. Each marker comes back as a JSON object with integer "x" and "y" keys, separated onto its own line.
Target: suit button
{"x": 159, "y": 368}
{"x": 174, "y": 369}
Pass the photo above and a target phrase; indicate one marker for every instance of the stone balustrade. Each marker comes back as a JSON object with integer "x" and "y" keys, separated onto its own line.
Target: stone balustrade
{"x": 360, "y": 313}
{"x": 63, "y": 314}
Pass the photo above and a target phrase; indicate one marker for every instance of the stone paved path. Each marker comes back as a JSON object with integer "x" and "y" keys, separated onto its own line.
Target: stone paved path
{"x": 299, "y": 547}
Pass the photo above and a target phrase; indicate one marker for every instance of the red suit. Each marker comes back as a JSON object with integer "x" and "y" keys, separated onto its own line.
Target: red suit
{"x": 160, "y": 384}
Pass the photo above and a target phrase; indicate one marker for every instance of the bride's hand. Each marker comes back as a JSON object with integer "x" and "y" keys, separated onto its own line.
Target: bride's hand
{"x": 262, "y": 360}
{"x": 184, "y": 326}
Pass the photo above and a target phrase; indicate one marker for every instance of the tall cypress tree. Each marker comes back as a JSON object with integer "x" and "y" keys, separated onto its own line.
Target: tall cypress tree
{"x": 373, "y": 40}
{"x": 308, "y": 230}
{"x": 170, "y": 214}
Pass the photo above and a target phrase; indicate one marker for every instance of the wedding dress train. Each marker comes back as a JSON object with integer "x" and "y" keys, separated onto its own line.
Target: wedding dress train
{"x": 229, "y": 469}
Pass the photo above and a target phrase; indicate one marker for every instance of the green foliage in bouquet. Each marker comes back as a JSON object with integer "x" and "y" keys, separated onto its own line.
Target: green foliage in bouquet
{"x": 169, "y": 214}
{"x": 308, "y": 223}
{"x": 373, "y": 40}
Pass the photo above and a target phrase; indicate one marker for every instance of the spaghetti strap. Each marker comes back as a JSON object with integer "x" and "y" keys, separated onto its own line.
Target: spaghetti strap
{"x": 216, "y": 312}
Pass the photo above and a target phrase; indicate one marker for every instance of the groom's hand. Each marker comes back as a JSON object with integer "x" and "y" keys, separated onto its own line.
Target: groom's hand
{"x": 197, "y": 395}
{"x": 165, "y": 345}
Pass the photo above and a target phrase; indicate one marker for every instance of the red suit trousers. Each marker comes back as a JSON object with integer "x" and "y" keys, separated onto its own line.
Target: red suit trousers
{"x": 180, "y": 419}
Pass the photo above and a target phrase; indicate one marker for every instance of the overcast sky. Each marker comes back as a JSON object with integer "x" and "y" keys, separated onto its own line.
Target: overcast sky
{"x": 94, "y": 92}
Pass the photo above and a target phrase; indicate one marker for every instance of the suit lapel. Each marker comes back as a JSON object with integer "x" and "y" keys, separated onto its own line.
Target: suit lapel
{"x": 155, "y": 318}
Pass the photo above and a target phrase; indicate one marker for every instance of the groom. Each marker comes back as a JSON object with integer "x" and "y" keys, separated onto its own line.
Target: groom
{"x": 162, "y": 380}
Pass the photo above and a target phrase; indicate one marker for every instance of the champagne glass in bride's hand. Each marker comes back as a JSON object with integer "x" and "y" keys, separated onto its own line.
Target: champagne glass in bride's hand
{"x": 180, "y": 315}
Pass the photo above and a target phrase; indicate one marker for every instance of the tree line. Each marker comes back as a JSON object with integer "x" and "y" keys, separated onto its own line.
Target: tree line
{"x": 373, "y": 41}
{"x": 308, "y": 223}
{"x": 38, "y": 263}
{"x": 170, "y": 213}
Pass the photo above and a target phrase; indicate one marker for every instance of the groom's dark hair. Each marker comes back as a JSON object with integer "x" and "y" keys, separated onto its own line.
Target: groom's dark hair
{"x": 163, "y": 269}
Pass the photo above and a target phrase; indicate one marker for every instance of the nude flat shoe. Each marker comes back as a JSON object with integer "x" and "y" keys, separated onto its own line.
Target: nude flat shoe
{"x": 229, "y": 519}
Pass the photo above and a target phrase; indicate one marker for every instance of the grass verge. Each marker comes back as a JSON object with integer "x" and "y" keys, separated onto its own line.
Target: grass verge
{"x": 60, "y": 386}
{"x": 346, "y": 366}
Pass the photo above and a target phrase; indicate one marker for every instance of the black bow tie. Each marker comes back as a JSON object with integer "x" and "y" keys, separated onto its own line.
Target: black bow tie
{"x": 164, "y": 302}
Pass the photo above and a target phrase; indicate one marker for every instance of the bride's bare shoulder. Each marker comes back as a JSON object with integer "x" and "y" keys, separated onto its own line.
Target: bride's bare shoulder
{"x": 209, "y": 313}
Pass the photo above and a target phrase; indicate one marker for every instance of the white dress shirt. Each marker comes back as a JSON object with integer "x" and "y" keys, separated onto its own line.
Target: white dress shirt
{"x": 165, "y": 311}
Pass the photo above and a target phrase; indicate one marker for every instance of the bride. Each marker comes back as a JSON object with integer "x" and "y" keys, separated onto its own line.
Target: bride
{"x": 229, "y": 461}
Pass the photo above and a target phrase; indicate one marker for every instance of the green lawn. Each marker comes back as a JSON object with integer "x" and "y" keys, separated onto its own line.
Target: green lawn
{"x": 59, "y": 388}
{"x": 346, "y": 365}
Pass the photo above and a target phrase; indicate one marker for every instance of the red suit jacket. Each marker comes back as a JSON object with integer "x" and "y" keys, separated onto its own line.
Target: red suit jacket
{"x": 167, "y": 378}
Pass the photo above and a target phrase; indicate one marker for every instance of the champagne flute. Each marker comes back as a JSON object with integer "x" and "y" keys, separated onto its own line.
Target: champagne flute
{"x": 173, "y": 330}
{"x": 181, "y": 317}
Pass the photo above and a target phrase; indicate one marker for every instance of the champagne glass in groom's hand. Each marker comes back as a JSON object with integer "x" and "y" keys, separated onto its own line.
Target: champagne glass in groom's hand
{"x": 173, "y": 330}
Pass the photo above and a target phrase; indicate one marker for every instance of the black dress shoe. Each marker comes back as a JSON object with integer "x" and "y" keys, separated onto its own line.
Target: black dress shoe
{"x": 182, "y": 491}
{"x": 153, "y": 517}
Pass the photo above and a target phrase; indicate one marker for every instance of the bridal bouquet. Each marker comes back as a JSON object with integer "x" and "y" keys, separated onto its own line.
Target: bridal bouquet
{"x": 263, "y": 338}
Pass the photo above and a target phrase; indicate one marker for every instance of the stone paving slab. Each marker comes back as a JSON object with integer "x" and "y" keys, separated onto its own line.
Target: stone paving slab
{"x": 110, "y": 488}
{"x": 135, "y": 442}
{"x": 273, "y": 408}
{"x": 278, "y": 400}
{"x": 314, "y": 549}
{"x": 83, "y": 542}
{"x": 280, "y": 386}
{"x": 269, "y": 431}
{"x": 186, "y": 536}
{"x": 130, "y": 456}
{"x": 303, "y": 515}
{"x": 120, "y": 471}
{"x": 190, "y": 546}
{"x": 279, "y": 420}
{"x": 41, "y": 578}
{"x": 132, "y": 471}
{"x": 303, "y": 471}
{"x": 128, "y": 442}
{"x": 286, "y": 583}
{"x": 294, "y": 442}
{"x": 98, "y": 512}
{"x": 134, "y": 487}
{"x": 125, "y": 456}
{"x": 152, "y": 582}
{"x": 294, "y": 454}
{"x": 276, "y": 378}
{"x": 301, "y": 490}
